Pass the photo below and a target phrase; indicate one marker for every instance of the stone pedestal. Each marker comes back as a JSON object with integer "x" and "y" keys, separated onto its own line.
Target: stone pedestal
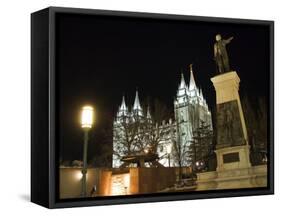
{"x": 228, "y": 99}
{"x": 232, "y": 147}
{"x": 234, "y": 169}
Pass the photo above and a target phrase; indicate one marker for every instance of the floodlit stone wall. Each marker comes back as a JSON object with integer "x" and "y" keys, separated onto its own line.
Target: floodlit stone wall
{"x": 111, "y": 182}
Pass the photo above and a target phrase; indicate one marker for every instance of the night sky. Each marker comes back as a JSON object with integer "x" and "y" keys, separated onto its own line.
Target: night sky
{"x": 101, "y": 58}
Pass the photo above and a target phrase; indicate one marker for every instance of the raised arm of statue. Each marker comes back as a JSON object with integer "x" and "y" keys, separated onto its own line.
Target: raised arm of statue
{"x": 228, "y": 40}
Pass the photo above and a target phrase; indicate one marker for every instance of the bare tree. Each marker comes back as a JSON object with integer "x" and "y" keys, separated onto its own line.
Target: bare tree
{"x": 135, "y": 134}
{"x": 201, "y": 147}
{"x": 125, "y": 137}
{"x": 256, "y": 123}
{"x": 182, "y": 147}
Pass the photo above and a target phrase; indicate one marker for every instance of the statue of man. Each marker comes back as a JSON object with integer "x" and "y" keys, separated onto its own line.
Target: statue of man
{"x": 220, "y": 54}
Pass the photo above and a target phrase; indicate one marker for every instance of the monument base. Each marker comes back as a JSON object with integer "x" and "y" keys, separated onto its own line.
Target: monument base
{"x": 233, "y": 171}
{"x": 236, "y": 157}
{"x": 255, "y": 176}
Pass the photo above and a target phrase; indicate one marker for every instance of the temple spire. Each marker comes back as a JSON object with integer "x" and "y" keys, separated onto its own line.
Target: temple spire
{"x": 192, "y": 84}
{"x": 137, "y": 102}
{"x": 137, "y": 107}
{"x": 123, "y": 109}
{"x": 148, "y": 115}
{"x": 182, "y": 84}
{"x": 182, "y": 87}
{"x": 123, "y": 104}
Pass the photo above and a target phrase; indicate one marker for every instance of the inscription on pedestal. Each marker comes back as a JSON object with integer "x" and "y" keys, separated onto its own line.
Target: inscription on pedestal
{"x": 231, "y": 157}
{"x": 229, "y": 127}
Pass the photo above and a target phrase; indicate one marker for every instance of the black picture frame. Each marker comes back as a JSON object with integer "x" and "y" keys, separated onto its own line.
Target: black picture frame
{"x": 44, "y": 115}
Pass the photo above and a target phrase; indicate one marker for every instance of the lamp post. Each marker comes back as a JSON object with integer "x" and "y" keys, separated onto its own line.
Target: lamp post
{"x": 86, "y": 124}
{"x": 169, "y": 150}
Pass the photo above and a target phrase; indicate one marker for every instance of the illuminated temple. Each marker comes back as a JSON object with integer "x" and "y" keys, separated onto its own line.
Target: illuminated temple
{"x": 136, "y": 133}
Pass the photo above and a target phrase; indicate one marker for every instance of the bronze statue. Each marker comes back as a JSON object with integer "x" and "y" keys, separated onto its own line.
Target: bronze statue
{"x": 220, "y": 54}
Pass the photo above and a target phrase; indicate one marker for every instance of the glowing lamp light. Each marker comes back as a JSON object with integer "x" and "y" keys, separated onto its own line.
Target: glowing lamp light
{"x": 87, "y": 117}
{"x": 78, "y": 175}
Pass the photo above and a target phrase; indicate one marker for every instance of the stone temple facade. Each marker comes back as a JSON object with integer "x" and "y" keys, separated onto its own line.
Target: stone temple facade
{"x": 135, "y": 132}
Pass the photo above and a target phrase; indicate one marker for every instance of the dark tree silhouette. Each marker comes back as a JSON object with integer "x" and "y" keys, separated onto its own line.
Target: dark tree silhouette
{"x": 138, "y": 134}
{"x": 255, "y": 113}
{"x": 201, "y": 148}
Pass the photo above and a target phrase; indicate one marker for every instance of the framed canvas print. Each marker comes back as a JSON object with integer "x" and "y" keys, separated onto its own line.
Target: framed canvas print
{"x": 138, "y": 107}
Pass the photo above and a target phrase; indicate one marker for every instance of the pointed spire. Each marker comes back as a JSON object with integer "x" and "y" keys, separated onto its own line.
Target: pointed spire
{"x": 123, "y": 106}
{"x": 182, "y": 84}
{"x": 192, "y": 84}
{"x": 148, "y": 115}
{"x": 137, "y": 107}
{"x": 137, "y": 102}
{"x": 123, "y": 109}
{"x": 182, "y": 87}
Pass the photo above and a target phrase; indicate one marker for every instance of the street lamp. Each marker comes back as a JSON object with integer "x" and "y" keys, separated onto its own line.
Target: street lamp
{"x": 169, "y": 150}
{"x": 87, "y": 118}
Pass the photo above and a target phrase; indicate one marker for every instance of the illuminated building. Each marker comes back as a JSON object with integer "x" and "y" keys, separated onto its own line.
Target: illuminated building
{"x": 134, "y": 131}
